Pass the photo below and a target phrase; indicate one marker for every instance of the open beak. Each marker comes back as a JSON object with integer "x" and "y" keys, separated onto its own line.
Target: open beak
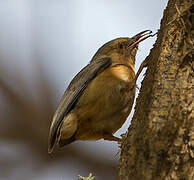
{"x": 141, "y": 37}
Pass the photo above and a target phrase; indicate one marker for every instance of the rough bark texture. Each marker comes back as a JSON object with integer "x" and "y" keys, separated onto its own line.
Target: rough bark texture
{"x": 160, "y": 140}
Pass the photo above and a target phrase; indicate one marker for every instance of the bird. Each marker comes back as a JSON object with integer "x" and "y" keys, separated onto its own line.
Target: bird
{"x": 100, "y": 97}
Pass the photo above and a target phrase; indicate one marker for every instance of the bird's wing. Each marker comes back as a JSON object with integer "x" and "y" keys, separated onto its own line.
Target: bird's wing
{"x": 73, "y": 92}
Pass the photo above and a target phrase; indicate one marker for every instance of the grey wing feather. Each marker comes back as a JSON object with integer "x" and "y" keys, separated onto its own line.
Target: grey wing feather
{"x": 73, "y": 92}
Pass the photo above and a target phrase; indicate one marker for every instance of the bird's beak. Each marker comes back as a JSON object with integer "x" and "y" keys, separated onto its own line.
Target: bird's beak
{"x": 141, "y": 37}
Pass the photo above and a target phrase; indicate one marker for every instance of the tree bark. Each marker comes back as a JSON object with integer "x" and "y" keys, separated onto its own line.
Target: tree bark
{"x": 160, "y": 140}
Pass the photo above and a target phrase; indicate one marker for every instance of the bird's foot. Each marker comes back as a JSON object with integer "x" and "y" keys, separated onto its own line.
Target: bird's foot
{"x": 121, "y": 140}
{"x": 110, "y": 137}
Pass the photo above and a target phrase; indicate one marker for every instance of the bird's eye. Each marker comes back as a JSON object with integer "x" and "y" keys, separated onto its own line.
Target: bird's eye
{"x": 134, "y": 51}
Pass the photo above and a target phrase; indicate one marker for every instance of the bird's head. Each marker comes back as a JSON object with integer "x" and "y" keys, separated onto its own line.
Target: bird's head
{"x": 122, "y": 50}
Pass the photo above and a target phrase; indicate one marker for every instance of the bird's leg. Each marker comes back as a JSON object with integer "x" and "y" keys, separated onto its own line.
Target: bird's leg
{"x": 143, "y": 65}
{"x": 124, "y": 135}
{"x": 110, "y": 137}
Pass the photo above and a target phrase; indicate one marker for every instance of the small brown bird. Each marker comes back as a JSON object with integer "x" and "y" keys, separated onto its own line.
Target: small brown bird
{"x": 100, "y": 97}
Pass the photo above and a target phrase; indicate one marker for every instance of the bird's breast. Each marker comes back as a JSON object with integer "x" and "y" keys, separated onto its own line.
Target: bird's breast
{"x": 109, "y": 91}
{"x": 107, "y": 101}
{"x": 113, "y": 85}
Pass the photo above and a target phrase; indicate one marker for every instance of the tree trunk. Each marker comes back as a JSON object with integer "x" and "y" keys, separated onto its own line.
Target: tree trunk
{"x": 160, "y": 140}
